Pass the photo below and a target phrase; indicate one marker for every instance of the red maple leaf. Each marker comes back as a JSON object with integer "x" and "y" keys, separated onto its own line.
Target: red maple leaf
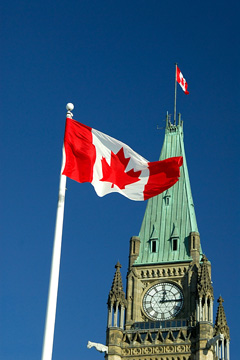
{"x": 115, "y": 172}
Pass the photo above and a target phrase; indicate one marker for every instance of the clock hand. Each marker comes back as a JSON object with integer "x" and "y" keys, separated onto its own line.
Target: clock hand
{"x": 164, "y": 296}
{"x": 171, "y": 300}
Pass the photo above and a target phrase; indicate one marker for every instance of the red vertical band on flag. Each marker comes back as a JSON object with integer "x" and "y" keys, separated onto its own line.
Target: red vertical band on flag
{"x": 182, "y": 82}
{"x": 80, "y": 151}
{"x": 178, "y": 74}
{"x": 162, "y": 175}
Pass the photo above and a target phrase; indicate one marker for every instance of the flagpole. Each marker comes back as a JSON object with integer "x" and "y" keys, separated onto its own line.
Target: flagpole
{"x": 175, "y": 95}
{"x": 56, "y": 255}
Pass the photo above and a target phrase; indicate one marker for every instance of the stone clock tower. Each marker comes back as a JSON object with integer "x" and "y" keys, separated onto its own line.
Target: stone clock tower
{"x": 167, "y": 312}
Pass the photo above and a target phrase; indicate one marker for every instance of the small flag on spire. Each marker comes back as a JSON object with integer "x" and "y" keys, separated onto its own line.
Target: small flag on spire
{"x": 180, "y": 79}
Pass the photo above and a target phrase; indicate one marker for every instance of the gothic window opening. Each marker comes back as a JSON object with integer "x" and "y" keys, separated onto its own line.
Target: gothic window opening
{"x": 194, "y": 242}
{"x": 167, "y": 200}
{"x": 134, "y": 247}
{"x": 154, "y": 246}
{"x": 175, "y": 244}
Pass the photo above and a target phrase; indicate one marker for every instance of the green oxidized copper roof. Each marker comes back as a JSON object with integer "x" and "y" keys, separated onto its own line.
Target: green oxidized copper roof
{"x": 170, "y": 215}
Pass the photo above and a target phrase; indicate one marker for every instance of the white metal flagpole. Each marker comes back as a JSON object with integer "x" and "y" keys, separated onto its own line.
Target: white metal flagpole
{"x": 175, "y": 95}
{"x": 56, "y": 255}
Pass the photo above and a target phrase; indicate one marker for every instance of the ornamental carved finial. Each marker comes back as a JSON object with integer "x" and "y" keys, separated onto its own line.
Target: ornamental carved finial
{"x": 221, "y": 326}
{"x": 116, "y": 294}
{"x": 118, "y": 265}
{"x": 204, "y": 285}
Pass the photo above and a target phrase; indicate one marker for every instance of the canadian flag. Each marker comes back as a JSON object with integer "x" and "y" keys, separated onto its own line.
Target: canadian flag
{"x": 112, "y": 166}
{"x": 180, "y": 79}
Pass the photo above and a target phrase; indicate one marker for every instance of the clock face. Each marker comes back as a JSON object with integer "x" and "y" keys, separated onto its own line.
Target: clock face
{"x": 163, "y": 301}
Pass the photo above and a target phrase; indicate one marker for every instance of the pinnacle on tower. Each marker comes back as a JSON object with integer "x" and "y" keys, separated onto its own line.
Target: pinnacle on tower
{"x": 221, "y": 326}
{"x": 116, "y": 301}
{"x": 116, "y": 294}
{"x": 204, "y": 283}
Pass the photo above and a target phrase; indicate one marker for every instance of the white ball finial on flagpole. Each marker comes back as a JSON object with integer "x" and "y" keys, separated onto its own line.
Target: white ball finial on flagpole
{"x": 69, "y": 108}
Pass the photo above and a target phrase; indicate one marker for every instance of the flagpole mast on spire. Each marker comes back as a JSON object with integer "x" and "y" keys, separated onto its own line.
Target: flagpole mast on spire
{"x": 175, "y": 95}
{"x": 56, "y": 255}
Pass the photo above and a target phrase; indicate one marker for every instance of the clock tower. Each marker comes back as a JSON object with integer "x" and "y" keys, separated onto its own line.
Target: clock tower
{"x": 167, "y": 312}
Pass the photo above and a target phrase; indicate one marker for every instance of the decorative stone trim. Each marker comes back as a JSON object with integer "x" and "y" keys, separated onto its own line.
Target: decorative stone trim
{"x": 155, "y": 337}
{"x": 163, "y": 272}
{"x": 163, "y": 349}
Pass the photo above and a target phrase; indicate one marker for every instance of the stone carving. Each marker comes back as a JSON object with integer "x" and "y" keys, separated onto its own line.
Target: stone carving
{"x": 148, "y": 337}
{"x": 126, "y": 352}
{"x": 214, "y": 340}
{"x": 170, "y": 272}
{"x": 180, "y": 348}
{"x": 169, "y": 349}
{"x": 221, "y": 326}
{"x": 98, "y": 347}
{"x": 116, "y": 293}
{"x": 204, "y": 282}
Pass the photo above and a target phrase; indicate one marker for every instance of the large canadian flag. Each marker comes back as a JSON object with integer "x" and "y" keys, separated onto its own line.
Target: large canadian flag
{"x": 112, "y": 166}
{"x": 182, "y": 82}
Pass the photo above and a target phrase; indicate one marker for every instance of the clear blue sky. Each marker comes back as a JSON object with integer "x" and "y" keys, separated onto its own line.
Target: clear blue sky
{"x": 115, "y": 61}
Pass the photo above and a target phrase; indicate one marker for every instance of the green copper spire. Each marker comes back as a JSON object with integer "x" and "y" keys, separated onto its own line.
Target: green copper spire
{"x": 169, "y": 217}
